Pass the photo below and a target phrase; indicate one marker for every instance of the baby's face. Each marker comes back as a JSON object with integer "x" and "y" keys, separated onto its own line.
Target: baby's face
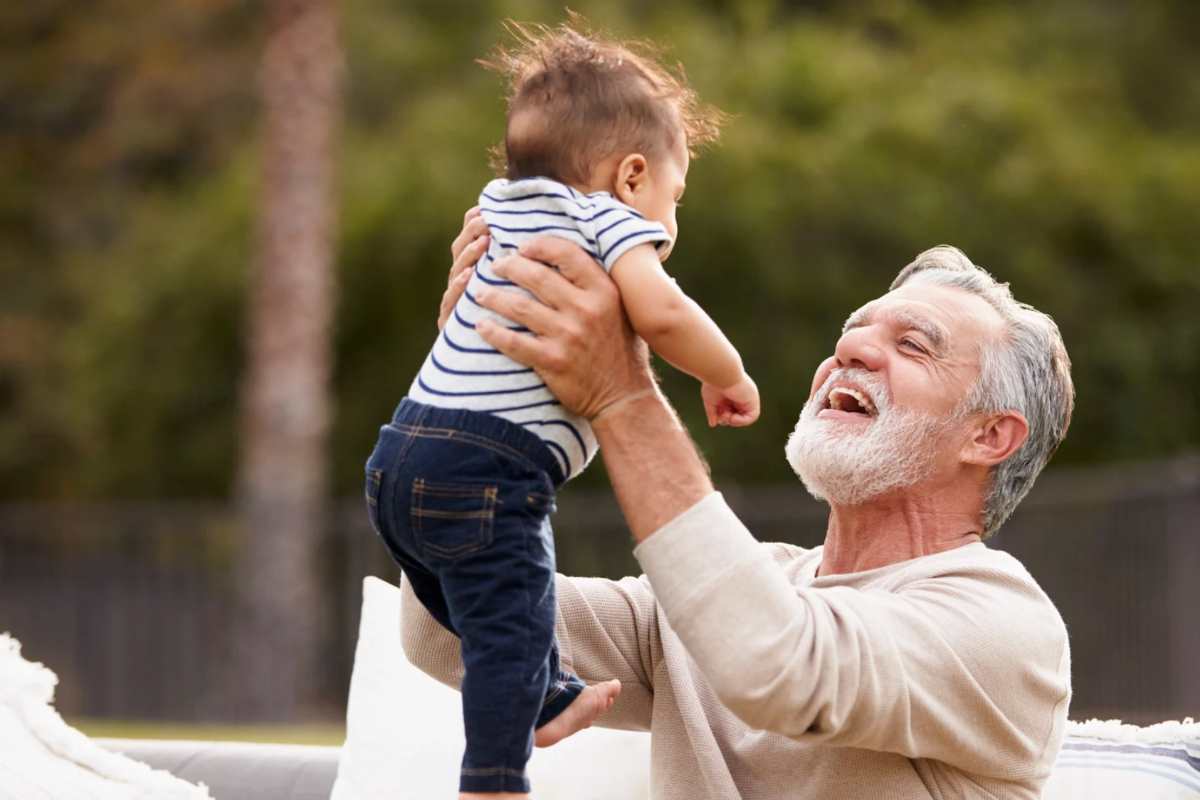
{"x": 666, "y": 179}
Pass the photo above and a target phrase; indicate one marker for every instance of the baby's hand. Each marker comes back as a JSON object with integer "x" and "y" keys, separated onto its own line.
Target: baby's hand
{"x": 735, "y": 405}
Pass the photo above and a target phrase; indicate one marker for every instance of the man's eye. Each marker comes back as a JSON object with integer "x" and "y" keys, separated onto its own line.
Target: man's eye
{"x": 913, "y": 344}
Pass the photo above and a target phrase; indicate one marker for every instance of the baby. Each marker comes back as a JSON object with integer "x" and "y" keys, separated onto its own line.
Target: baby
{"x": 461, "y": 483}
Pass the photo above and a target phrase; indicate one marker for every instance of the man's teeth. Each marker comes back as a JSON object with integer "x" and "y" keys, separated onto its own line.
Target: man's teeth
{"x": 846, "y": 399}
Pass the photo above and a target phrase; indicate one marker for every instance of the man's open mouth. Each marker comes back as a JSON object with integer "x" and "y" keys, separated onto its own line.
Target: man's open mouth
{"x": 851, "y": 401}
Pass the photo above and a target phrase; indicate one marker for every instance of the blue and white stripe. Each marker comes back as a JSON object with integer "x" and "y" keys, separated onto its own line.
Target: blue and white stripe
{"x": 1175, "y": 765}
{"x": 463, "y": 371}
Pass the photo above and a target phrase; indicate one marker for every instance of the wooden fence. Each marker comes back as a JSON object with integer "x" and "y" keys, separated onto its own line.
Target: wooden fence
{"x": 129, "y": 604}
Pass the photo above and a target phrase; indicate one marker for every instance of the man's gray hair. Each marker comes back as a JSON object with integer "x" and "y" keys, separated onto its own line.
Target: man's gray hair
{"x": 1026, "y": 370}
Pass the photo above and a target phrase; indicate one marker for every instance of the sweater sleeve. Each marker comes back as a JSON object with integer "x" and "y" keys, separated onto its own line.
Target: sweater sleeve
{"x": 968, "y": 667}
{"x": 605, "y": 629}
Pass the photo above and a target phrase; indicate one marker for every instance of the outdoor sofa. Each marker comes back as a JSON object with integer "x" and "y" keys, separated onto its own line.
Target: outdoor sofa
{"x": 1095, "y": 768}
{"x": 241, "y": 771}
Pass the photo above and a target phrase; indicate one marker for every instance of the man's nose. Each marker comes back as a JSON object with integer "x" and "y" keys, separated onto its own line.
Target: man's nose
{"x": 858, "y": 348}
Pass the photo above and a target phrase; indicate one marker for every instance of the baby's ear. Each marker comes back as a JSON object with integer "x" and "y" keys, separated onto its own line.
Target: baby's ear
{"x": 631, "y": 177}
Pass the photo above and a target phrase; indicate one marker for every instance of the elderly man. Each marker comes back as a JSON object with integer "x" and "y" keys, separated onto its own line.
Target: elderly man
{"x": 902, "y": 659}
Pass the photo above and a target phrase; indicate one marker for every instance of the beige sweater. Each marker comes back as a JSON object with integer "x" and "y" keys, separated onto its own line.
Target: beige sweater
{"x": 947, "y": 676}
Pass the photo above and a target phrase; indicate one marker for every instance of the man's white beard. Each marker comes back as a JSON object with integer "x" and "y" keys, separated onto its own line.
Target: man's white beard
{"x": 842, "y": 464}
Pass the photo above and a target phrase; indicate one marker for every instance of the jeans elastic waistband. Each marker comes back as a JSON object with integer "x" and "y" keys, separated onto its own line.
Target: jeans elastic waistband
{"x": 484, "y": 425}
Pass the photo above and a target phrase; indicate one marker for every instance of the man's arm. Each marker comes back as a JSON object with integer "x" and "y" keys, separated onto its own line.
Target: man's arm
{"x": 605, "y": 629}
{"x": 969, "y": 667}
{"x": 586, "y": 352}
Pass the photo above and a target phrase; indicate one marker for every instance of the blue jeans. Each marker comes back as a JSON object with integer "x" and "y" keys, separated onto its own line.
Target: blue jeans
{"x": 462, "y": 500}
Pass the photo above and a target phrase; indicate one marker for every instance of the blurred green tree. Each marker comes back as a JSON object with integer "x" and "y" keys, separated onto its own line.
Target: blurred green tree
{"x": 1057, "y": 143}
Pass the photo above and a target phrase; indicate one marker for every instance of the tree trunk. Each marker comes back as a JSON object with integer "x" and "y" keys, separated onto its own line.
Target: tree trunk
{"x": 282, "y": 487}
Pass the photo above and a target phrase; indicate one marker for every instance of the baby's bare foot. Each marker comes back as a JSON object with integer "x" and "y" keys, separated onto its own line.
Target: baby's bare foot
{"x": 591, "y": 703}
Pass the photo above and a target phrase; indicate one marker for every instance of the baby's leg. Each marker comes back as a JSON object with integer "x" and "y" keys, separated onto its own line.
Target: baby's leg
{"x": 428, "y": 589}
{"x": 501, "y": 601}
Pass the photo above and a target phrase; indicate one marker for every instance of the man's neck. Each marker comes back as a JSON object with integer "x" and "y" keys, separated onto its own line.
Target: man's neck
{"x": 888, "y": 530}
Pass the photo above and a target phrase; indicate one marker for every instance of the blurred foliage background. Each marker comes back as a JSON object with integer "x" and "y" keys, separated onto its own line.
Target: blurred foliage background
{"x": 1057, "y": 143}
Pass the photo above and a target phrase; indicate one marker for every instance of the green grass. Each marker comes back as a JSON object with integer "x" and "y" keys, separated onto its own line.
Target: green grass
{"x": 325, "y": 734}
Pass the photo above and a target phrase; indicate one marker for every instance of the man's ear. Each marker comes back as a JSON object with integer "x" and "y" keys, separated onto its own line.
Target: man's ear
{"x": 995, "y": 438}
{"x": 632, "y": 173}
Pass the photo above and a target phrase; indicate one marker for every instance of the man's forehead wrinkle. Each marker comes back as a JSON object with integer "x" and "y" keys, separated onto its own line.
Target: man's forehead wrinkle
{"x": 937, "y": 333}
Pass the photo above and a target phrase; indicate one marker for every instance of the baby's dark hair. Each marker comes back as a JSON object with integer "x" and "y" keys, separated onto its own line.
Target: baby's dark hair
{"x": 575, "y": 98}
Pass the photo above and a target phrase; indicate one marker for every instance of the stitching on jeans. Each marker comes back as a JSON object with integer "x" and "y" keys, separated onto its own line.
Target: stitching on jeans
{"x": 385, "y": 509}
{"x": 372, "y": 490}
{"x": 452, "y": 489}
{"x": 478, "y": 771}
{"x": 433, "y": 512}
{"x": 417, "y": 512}
{"x": 375, "y": 478}
{"x": 451, "y": 433}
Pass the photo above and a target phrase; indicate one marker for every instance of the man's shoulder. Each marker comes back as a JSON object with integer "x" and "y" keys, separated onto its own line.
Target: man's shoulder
{"x": 979, "y": 582}
{"x": 798, "y": 563}
{"x": 976, "y": 561}
{"x": 975, "y": 567}
{"x": 973, "y": 563}
{"x": 974, "y": 558}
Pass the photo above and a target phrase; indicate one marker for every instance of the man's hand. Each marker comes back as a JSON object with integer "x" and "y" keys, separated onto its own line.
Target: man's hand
{"x": 466, "y": 250}
{"x": 582, "y": 346}
{"x": 581, "y": 343}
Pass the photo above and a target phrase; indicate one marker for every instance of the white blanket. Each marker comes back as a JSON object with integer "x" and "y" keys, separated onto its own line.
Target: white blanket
{"x": 43, "y": 757}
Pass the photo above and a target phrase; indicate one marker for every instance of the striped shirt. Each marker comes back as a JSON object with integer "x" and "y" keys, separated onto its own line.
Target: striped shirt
{"x": 463, "y": 371}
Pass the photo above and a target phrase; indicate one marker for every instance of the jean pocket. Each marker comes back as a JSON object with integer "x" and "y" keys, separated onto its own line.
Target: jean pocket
{"x": 452, "y": 520}
{"x": 371, "y": 493}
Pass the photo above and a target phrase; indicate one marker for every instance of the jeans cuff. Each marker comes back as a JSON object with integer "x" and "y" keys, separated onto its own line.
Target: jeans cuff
{"x": 493, "y": 779}
{"x": 562, "y": 693}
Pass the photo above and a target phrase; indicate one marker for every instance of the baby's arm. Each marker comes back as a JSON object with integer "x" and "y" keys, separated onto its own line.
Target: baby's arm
{"x": 680, "y": 331}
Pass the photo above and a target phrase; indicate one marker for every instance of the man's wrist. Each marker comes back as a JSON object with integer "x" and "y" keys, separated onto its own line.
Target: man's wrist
{"x": 656, "y": 471}
{"x": 615, "y": 407}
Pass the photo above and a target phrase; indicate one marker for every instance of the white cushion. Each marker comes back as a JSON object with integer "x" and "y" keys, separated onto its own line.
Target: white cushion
{"x": 1113, "y": 761}
{"x": 43, "y": 757}
{"x": 404, "y": 732}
